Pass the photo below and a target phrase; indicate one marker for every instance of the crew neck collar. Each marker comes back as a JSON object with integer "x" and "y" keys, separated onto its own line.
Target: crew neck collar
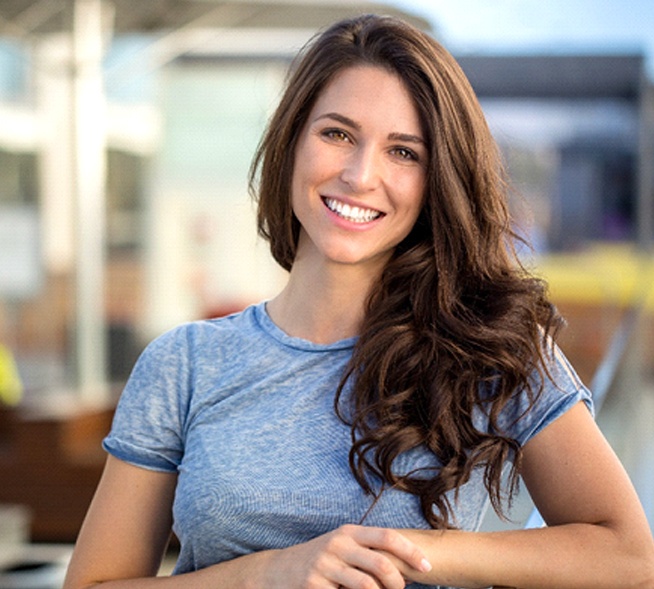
{"x": 271, "y": 328}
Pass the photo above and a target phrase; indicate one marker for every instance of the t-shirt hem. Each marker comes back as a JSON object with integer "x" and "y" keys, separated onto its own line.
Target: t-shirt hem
{"x": 565, "y": 404}
{"x": 117, "y": 450}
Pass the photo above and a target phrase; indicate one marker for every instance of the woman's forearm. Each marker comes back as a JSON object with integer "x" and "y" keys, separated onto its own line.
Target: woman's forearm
{"x": 241, "y": 573}
{"x": 568, "y": 556}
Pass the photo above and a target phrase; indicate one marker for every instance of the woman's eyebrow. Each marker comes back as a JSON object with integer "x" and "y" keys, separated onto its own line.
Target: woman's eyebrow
{"x": 407, "y": 137}
{"x": 341, "y": 119}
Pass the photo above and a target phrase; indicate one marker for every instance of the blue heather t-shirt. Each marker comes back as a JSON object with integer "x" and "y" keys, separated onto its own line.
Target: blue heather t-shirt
{"x": 245, "y": 415}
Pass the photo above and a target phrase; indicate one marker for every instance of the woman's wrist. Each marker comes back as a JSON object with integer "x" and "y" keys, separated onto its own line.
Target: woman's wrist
{"x": 250, "y": 571}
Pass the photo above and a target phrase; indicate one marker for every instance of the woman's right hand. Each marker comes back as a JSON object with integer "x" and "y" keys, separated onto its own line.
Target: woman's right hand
{"x": 351, "y": 557}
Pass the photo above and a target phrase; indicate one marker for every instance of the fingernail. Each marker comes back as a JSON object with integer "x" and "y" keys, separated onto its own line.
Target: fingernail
{"x": 425, "y": 565}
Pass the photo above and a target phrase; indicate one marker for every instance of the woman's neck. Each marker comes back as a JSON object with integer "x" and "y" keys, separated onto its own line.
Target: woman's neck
{"x": 322, "y": 305}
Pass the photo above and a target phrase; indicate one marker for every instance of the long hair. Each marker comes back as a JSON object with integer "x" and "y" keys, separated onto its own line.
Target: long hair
{"x": 454, "y": 321}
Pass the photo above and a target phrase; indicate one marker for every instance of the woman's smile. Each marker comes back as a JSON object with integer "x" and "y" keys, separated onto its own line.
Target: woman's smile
{"x": 354, "y": 214}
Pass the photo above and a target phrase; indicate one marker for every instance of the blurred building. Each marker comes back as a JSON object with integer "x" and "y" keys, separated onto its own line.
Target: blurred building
{"x": 578, "y": 135}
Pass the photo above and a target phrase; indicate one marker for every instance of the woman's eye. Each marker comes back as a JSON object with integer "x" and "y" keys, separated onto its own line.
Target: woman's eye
{"x": 335, "y": 134}
{"x": 405, "y": 154}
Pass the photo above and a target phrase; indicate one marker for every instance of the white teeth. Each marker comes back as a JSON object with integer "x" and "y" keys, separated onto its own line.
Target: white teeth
{"x": 354, "y": 214}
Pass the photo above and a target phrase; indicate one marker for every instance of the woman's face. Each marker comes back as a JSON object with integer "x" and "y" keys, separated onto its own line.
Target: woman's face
{"x": 360, "y": 169}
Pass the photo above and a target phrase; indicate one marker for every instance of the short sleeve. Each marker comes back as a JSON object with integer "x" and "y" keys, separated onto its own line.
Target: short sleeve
{"x": 560, "y": 390}
{"x": 148, "y": 426}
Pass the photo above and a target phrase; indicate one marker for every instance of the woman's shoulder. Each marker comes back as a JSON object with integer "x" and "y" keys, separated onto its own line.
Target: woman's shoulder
{"x": 553, "y": 390}
{"x": 198, "y": 334}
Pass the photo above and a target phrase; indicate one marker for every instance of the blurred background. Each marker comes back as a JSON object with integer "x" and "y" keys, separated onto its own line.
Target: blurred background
{"x": 126, "y": 133}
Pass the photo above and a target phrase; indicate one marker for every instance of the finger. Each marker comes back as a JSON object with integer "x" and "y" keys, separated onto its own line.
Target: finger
{"x": 396, "y": 544}
{"x": 377, "y": 566}
{"x": 351, "y": 578}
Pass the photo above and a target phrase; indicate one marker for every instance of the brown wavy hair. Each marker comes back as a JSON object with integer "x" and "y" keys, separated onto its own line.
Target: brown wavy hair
{"x": 454, "y": 321}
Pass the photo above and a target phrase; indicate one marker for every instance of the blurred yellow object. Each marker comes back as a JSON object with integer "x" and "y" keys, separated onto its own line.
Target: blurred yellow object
{"x": 11, "y": 387}
{"x": 613, "y": 274}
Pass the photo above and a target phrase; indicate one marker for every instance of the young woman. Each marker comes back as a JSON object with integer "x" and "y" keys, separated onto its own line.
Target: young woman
{"x": 351, "y": 431}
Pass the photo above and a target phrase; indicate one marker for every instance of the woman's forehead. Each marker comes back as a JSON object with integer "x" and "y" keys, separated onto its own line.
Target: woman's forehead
{"x": 369, "y": 93}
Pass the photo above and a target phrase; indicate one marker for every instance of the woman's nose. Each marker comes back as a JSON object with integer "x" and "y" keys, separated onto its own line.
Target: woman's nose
{"x": 362, "y": 170}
